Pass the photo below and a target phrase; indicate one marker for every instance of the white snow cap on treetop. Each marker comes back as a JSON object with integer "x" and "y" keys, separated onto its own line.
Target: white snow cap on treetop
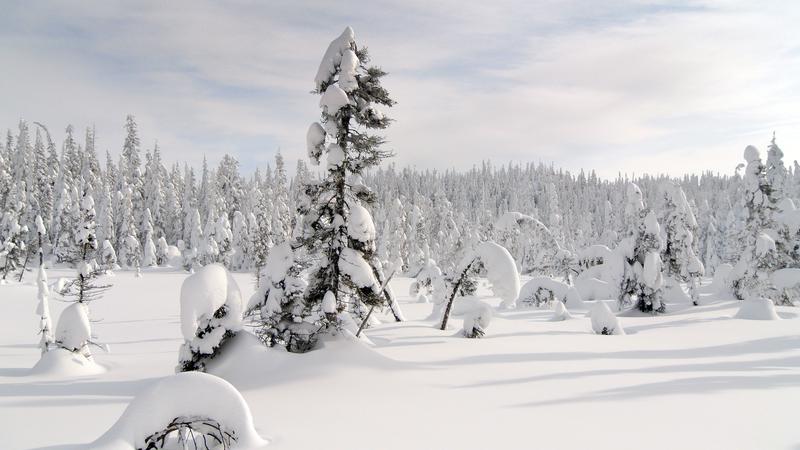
{"x": 315, "y": 142}
{"x": 751, "y": 153}
{"x": 651, "y": 223}
{"x": 635, "y": 197}
{"x": 333, "y": 100}
{"x": 40, "y": 225}
{"x": 333, "y": 57}
{"x": 329, "y": 303}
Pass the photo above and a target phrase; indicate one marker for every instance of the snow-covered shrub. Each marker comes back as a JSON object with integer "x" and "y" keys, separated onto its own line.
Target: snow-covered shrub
{"x": 722, "y": 283}
{"x": 477, "y": 321}
{"x": 162, "y": 250}
{"x": 423, "y": 285}
{"x": 560, "y": 312}
{"x": 679, "y": 253}
{"x": 500, "y": 271}
{"x": 757, "y": 308}
{"x": 150, "y": 258}
{"x": 74, "y": 330}
{"x": 107, "y": 257}
{"x": 284, "y": 317}
{"x": 182, "y": 409}
{"x": 542, "y": 291}
{"x": 211, "y": 313}
{"x": 130, "y": 254}
{"x": 603, "y": 320}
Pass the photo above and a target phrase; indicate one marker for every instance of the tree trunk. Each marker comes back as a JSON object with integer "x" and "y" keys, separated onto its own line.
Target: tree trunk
{"x": 452, "y": 298}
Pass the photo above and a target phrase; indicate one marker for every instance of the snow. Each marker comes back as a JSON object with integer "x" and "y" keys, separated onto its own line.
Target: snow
{"x": 204, "y": 292}
{"x": 333, "y": 57}
{"x": 764, "y": 244}
{"x": 757, "y": 308}
{"x": 560, "y": 312}
{"x": 191, "y": 394}
{"x": 604, "y": 321}
{"x": 347, "y": 74}
{"x": 329, "y": 303}
{"x": 315, "y": 142}
{"x": 593, "y": 289}
{"x": 335, "y": 156}
{"x": 59, "y": 363}
{"x": 652, "y": 270}
{"x": 477, "y": 320}
{"x": 721, "y": 284}
{"x": 360, "y": 225}
{"x": 501, "y": 271}
{"x": 352, "y": 264}
{"x": 751, "y": 154}
{"x": 560, "y": 292}
{"x": 417, "y": 379}
{"x": 785, "y": 278}
{"x": 333, "y": 100}
{"x": 74, "y": 330}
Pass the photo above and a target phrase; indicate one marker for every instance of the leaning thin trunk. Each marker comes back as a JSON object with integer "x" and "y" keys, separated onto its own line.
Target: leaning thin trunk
{"x": 456, "y": 286}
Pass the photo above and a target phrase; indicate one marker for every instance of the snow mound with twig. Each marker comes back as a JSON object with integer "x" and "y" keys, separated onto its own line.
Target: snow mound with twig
{"x": 190, "y": 395}
{"x": 604, "y": 321}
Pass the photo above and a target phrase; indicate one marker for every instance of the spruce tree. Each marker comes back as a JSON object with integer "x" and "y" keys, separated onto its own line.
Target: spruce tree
{"x": 337, "y": 230}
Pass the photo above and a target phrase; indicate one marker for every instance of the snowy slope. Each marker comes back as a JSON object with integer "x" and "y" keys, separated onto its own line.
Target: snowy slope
{"x": 693, "y": 378}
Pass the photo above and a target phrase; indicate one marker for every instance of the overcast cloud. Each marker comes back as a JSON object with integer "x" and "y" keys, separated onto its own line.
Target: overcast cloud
{"x": 618, "y": 86}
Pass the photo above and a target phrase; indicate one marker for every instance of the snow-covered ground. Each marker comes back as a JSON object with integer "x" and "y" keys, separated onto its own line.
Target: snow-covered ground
{"x": 693, "y": 378}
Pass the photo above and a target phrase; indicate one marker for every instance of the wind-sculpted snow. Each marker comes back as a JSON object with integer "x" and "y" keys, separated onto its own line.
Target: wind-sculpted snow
{"x": 500, "y": 271}
{"x": 192, "y": 396}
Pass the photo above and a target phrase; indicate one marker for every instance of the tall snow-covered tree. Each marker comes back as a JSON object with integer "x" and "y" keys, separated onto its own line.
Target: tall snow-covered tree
{"x": 338, "y": 231}
{"x": 679, "y": 254}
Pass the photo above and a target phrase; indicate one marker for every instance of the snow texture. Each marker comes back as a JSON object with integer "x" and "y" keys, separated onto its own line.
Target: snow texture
{"x": 757, "y": 308}
{"x": 185, "y": 395}
{"x": 501, "y": 271}
{"x": 333, "y": 57}
{"x": 560, "y": 312}
{"x": 603, "y": 320}
{"x": 203, "y": 293}
{"x": 315, "y": 142}
{"x": 352, "y": 264}
{"x": 74, "y": 329}
{"x": 360, "y": 225}
{"x": 333, "y": 100}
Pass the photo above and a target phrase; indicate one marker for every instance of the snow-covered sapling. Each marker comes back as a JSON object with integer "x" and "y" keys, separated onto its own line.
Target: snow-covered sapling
{"x": 211, "y": 313}
{"x": 477, "y": 321}
{"x": 604, "y": 321}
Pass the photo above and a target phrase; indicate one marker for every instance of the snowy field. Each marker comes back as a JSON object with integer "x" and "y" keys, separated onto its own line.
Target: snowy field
{"x": 692, "y": 378}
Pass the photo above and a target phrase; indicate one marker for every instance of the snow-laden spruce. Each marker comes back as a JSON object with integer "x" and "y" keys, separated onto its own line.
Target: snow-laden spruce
{"x": 679, "y": 255}
{"x": 337, "y": 231}
{"x": 760, "y": 256}
{"x": 211, "y": 313}
{"x": 181, "y": 409}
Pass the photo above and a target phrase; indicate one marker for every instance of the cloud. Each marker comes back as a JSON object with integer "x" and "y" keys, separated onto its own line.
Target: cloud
{"x": 623, "y": 86}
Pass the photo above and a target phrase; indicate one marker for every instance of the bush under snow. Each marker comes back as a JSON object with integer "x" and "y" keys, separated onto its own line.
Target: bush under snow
{"x": 604, "y": 321}
{"x": 540, "y": 291}
{"x": 208, "y": 406}
{"x": 211, "y": 312}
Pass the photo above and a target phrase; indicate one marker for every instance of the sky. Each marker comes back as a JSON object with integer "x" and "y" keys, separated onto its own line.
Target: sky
{"x": 615, "y": 86}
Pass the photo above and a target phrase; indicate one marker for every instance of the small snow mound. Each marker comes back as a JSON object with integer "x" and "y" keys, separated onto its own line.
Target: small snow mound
{"x": 560, "y": 312}
{"x": 64, "y": 363}
{"x": 177, "y": 397}
{"x": 334, "y": 99}
{"x": 757, "y": 309}
{"x": 604, "y": 321}
{"x": 74, "y": 329}
{"x": 477, "y": 320}
{"x": 539, "y": 291}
